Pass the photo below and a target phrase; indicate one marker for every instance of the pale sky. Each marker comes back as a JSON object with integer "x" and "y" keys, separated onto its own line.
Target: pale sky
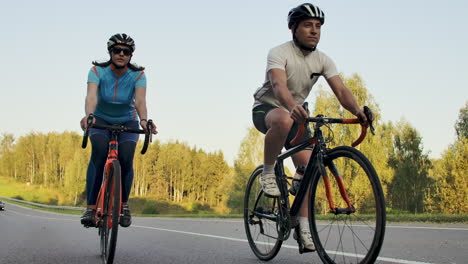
{"x": 204, "y": 59}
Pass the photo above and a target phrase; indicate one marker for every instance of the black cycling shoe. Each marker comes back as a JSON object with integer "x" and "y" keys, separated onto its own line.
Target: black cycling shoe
{"x": 88, "y": 218}
{"x": 125, "y": 219}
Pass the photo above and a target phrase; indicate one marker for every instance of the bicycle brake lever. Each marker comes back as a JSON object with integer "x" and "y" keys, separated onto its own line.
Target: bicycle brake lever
{"x": 305, "y": 105}
{"x": 369, "y": 116}
{"x": 89, "y": 121}
{"x": 149, "y": 126}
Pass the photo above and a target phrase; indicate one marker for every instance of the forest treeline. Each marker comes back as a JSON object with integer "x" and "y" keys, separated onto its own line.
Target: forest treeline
{"x": 175, "y": 172}
{"x": 172, "y": 171}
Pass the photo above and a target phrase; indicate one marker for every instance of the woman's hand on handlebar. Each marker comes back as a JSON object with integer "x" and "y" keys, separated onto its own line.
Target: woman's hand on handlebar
{"x": 84, "y": 121}
{"x": 144, "y": 123}
{"x": 299, "y": 114}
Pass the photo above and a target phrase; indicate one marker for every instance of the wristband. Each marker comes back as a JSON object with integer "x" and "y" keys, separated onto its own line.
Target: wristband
{"x": 143, "y": 120}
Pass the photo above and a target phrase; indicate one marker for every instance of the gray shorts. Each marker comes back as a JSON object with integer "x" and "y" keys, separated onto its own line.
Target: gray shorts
{"x": 258, "y": 116}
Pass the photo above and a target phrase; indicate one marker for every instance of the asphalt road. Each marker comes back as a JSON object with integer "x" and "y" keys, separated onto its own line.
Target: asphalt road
{"x": 33, "y": 236}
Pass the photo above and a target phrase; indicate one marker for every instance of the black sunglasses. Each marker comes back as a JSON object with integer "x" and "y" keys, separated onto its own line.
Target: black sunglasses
{"x": 126, "y": 52}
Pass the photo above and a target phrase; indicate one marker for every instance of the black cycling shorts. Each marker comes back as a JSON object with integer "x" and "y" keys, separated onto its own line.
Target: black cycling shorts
{"x": 258, "y": 116}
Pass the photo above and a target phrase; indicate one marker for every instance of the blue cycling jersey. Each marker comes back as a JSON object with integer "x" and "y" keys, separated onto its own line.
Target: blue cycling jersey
{"x": 116, "y": 93}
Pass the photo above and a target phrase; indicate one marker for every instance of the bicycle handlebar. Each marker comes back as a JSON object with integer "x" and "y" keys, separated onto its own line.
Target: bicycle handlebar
{"x": 119, "y": 129}
{"x": 328, "y": 120}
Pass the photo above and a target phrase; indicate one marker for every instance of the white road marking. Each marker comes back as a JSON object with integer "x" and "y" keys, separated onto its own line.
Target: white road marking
{"x": 241, "y": 221}
{"x": 42, "y": 217}
{"x": 394, "y": 260}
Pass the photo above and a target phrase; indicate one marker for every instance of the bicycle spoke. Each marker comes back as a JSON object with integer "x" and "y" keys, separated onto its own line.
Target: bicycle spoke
{"x": 355, "y": 235}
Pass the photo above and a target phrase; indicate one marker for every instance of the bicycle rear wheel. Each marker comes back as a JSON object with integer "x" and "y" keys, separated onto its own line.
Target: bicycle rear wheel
{"x": 347, "y": 234}
{"x": 111, "y": 212}
{"x": 261, "y": 214}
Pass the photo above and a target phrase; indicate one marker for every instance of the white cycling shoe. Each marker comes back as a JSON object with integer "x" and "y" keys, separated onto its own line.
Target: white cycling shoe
{"x": 306, "y": 240}
{"x": 269, "y": 186}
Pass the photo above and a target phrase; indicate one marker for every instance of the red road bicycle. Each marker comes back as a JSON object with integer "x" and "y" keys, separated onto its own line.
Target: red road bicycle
{"x": 109, "y": 200}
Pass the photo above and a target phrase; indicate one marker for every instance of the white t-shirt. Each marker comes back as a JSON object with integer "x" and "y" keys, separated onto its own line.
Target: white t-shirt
{"x": 302, "y": 72}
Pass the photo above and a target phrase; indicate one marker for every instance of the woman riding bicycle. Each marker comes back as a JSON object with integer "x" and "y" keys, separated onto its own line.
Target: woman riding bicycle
{"x": 292, "y": 69}
{"x": 116, "y": 94}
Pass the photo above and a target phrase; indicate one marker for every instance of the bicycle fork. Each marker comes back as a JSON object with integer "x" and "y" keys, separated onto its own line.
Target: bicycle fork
{"x": 344, "y": 195}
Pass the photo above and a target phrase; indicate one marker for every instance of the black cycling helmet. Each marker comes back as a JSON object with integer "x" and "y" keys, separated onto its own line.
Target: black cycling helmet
{"x": 304, "y": 11}
{"x": 121, "y": 39}
{"x": 300, "y": 13}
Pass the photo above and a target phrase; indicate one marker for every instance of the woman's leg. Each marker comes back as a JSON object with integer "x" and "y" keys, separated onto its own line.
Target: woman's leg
{"x": 95, "y": 171}
{"x": 126, "y": 154}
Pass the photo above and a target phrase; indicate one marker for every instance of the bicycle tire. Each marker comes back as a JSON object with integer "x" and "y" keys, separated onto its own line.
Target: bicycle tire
{"x": 111, "y": 213}
{"x": 267, "y": 243}
{"x": 347, "y": 237}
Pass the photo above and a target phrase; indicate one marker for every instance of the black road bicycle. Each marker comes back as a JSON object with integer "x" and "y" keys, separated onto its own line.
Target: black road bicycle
{"x": 346, "y": 201}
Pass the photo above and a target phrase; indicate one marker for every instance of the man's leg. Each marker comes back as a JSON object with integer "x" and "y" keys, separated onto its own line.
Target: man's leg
{"x": 301, "y": 159}
{"x": 278, "y": 123}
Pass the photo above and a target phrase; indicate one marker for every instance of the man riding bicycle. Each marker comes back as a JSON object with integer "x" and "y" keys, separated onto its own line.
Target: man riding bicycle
{"x": 116, "y": 94}
{"x": 292, "y": 69}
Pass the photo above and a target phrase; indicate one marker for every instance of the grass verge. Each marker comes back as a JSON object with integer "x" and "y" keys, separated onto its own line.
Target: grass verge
{"x": 149, "y": 207}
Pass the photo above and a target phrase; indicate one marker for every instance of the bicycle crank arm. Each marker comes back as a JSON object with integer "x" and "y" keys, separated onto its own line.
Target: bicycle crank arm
{"x": 262, "y": 215}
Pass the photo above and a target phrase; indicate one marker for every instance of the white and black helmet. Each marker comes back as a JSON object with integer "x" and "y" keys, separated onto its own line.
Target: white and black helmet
{"x": 121, "y": 39}
{"x": 304, "y": 11}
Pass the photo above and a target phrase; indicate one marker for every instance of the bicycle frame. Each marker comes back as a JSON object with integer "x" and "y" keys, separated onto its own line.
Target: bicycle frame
{"x": 318, "y": 142}
{"x": 111, "y": 156}
{"x": 315, "y": 162}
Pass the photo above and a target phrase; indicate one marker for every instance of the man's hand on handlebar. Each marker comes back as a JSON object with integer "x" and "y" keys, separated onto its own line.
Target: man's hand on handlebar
{"x": 299, "y": 114}
{"x": 362, "y": 117}
{"x": 365, "y": 116}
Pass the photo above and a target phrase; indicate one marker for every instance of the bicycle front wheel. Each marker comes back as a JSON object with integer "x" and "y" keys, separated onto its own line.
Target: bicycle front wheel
{"x": 261, "y": 216}
{"x": 347, "y": 208}
{"x": 111, "y": 212}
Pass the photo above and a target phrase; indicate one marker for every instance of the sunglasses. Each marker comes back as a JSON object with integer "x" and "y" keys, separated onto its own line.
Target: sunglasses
{"x": 126, "y": 52}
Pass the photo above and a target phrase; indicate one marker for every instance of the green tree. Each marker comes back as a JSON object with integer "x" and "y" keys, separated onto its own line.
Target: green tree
{"x": 411, "y": 165}
{"x": 461, "y": 126}
{"x": 450, "y": 191}
{"x": 449, "y": 194}
{"x": 7, "y": 159}
{"x": 249, "y": 157}
{"x": 144, "y": 170}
